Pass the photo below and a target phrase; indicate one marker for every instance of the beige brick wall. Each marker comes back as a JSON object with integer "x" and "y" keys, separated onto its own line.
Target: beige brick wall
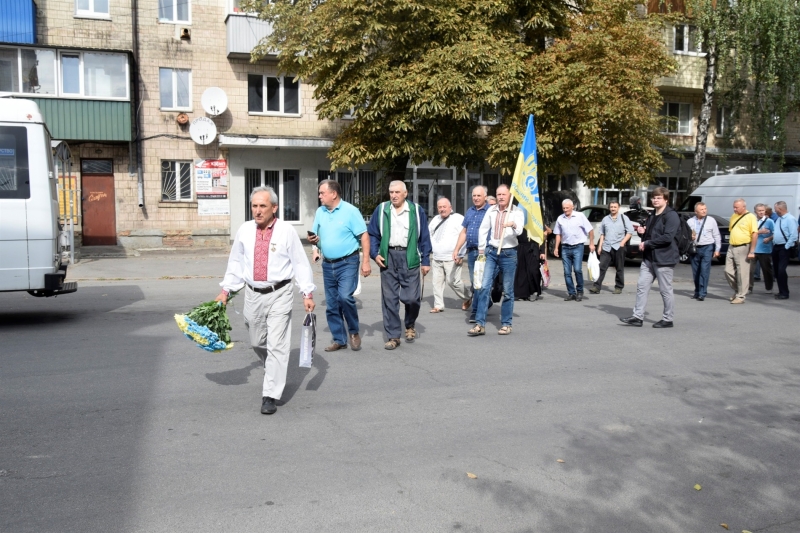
{"x": 57, "y": 24}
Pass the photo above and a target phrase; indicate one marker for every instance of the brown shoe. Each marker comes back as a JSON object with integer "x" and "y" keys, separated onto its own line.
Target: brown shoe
{"x": 737, "y": 301}
{"x": 467, "y": 305}
{"x": 355, "y": 342}
{"x": 411, "y": 334}
{"x": 335, "y": 346}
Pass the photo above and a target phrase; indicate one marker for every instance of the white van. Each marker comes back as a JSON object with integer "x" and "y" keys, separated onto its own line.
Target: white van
{"x": 719, "y": 192}
{"x": 30, "y": 236}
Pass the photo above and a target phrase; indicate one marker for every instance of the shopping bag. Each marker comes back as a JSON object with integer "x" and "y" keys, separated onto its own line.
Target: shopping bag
{"x": 358, "y": 288}
{"x": 308, "y": 340}
{"x": 593, "y": 266}
{"x": 544, "y": 268}
{"x": 477, "y": 272}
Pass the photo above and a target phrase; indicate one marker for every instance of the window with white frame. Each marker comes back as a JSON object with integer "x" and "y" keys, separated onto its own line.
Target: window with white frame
{"x": 687, "y": 39}
{"x": 91, "y": 8}
{"x": 177, "y": 11}
{"x": 176, "y": 181}
{"x": 489, "y": 116}
{"x": 286, "y": 185}
{"x": 94, "y": 74}
{"x": 175, "y": 88}
{"x": 724, "y": 123}
{"x": 273, "y": 95}
{"x": 677, "y": 118}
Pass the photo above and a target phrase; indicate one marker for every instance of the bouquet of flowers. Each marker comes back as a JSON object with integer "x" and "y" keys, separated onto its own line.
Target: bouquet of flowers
{"x": 208, "y": 326}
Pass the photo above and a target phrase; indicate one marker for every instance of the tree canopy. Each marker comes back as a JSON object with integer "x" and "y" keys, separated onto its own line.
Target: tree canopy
{"x": 418, "y": 74}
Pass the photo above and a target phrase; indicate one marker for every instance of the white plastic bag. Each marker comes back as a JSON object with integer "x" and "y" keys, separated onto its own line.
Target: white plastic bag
{"x": 358, "y": 288}
{"x": 477, "y": 272}
{"x": 593, "y": 266}
{"x": 308, "y": 340}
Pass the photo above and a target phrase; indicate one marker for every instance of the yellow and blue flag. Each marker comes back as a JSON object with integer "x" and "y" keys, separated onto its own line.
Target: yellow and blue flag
{"x": 525, "y": 185}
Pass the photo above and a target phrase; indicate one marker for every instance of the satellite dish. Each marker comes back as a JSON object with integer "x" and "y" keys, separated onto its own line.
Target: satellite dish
{"x": 202, "y": 130}
{"x": 214, "y": 101}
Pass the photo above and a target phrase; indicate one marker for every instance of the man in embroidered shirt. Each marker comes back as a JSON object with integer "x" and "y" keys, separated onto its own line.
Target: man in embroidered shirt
{"x": 499, "y": 230}
{"x": 615, "y": 232}
{"x": 784, "y": 240}
{"x": 705, "y": 233}
{"x": 766, "y": 231}
{"x": 469, "y": 235}
{"x": 265, "y": 256}
{"x": 571, "y": 229}
{"x": 741, "y": 250}
{"x": 338, "y": 229}
{"x": 445, "y": 229}
{"x": 401, "y": 246}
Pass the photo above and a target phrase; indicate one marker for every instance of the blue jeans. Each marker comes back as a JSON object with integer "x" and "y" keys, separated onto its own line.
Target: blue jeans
{"x": 341, "y": 281}
{"x": 506, "y": 263}
{"x": 472, "y": 255}
{"x": 701, "y": 269}
{"x": 572, "y": 257}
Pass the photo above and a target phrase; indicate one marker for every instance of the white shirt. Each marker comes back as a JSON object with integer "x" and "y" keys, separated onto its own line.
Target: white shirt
{"x": 287, "y": 259}
{"x": 399, "y": 226}
{"x": 446, "y": 237}
{"x": 490, "y": 229}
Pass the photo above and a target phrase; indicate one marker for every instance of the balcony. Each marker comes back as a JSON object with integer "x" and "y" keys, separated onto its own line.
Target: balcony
{"x": 244, "y": 33}
{"x": 688, "y": 77}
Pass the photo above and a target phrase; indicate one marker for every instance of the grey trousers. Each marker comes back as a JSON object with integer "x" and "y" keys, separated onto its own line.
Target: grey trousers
{"x": 268, "y": 318}
{"x": 649, "y": 272}
{"x": 737, "y": 270}
{"x": 399, "y": 285}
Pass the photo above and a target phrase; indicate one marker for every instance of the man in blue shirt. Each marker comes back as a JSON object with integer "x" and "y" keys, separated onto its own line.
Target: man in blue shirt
{"x": 784, "y": 240}
{"x": 766, "y": 231}
{"x": 338, "y": 228}
{"x": 469, "y": 235}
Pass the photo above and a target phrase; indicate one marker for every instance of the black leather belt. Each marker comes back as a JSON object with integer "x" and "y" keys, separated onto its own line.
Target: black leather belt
{"x": 272, "y": 288}
{"x": 471, "y": 249}
{"x": 341, "y": 258}
{"x": 398, "y": 248}
{"x": 738, "y": 245}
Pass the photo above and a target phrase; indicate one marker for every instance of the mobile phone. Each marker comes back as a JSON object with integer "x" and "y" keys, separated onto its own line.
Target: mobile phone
{"x": 311, "y": 234}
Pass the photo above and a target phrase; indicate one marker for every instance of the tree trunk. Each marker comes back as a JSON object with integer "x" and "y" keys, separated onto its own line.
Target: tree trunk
{"x": 709, "y": 83}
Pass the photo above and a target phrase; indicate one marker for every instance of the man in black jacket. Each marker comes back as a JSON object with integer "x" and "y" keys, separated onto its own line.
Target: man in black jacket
{"x": 659, "y": 247}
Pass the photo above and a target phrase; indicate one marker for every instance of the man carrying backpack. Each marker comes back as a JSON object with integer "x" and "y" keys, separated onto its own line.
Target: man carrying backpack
{"x": 660, "y": 253}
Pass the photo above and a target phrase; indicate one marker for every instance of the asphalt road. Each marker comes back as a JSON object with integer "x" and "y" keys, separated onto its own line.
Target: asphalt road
{"x": 110, "y": 420}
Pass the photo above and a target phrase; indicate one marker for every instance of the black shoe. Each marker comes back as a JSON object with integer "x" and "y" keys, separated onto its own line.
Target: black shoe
{"x": 632, "y": 321}
{"x": 662, "y": 324}
{"x": 569, "y": 297}
{"x": 268, "y": 405}
{"x": 695, "y": 297}
{"x": 472, "y": 320}
{"x": 579, "y": 297}
{"x": 701, "y": 298}
{"x": 781, "y": 297}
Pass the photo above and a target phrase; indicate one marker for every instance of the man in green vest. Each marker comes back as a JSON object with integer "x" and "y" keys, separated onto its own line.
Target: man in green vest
{"x": 400, "y": 244}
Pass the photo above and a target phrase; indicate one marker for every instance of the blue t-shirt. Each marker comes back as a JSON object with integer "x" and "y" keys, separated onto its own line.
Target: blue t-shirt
{"x": 765, "y": 247}
{"x": 338, "y": 230}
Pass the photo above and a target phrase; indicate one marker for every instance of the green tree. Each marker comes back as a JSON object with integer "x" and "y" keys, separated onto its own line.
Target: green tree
{"x": 753, "y": 69}
{"x": 418, "y": 73}
{"x": 593, "y": 96}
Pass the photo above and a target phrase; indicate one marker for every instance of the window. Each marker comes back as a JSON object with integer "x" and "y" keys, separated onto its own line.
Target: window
{"x": 91, "y": 8}
{"x": 14, "y": 182}
{"x": 489, "y": 116}
{"x": 287, "y": 189}
{"x": 273, "y": 96}
{"x": 39, "y": 71}
{"x": 723, "y": 121}
{"x": 687, "y": 40}
{"x": 175, "y": 86}
{"x": 94, "y": 74}
{"x": 174, "y": 11}
{"x": 677, "y": 118}
{"x": 176, "y": 181}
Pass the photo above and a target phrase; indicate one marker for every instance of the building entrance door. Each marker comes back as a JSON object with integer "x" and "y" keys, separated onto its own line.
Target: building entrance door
{"x": 97, "y": 203}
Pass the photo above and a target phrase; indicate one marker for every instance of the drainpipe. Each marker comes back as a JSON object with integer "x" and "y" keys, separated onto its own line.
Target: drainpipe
{"x": 136, "y": 101}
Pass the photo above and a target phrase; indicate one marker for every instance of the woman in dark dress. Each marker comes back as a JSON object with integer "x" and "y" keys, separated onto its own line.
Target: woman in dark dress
{"x": 528, "y": 278}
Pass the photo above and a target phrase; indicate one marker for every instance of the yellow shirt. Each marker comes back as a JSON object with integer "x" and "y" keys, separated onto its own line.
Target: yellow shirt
{"x": 743, "y": 232}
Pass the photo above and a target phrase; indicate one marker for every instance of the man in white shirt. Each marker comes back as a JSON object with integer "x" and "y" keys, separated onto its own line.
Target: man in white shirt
{"x": 265, "y": 256}
{"x": 445, "y": 228}
{"x": 501, "y": 226}
{"x": 571, "y": 230}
